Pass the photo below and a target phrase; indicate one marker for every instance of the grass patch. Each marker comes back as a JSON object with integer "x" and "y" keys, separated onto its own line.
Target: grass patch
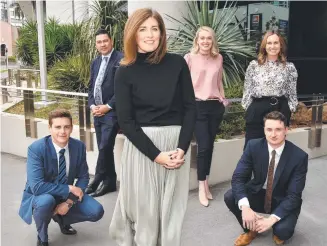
{"x": 42, "y": 113}
{"x": 3, "y": 70}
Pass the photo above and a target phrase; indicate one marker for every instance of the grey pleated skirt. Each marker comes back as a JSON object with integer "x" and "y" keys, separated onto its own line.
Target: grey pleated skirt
{"x": 152, "y": 200}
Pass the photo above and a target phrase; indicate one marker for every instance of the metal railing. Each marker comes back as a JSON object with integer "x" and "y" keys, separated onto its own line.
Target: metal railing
{"x": 78, "y": 103}
{"x": 79, "y": 100}
{"x": 30, "y": 98}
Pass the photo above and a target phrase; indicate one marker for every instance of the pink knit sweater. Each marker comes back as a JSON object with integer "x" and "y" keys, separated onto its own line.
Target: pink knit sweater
{"x": 206, "y": 73}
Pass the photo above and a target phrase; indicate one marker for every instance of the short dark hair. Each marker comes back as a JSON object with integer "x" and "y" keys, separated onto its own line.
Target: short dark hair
{"x": 275, "y": 115}
{"x": 60, "y": 113}
{"x": 102, "y": 31}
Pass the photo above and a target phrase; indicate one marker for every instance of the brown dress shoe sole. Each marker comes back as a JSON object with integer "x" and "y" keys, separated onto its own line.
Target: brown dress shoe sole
{"x": 277, "y": 240}
{"x": 245, "y": 238}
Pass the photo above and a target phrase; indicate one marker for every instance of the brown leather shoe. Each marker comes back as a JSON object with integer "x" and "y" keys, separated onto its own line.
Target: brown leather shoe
{"x": 245, "y": 238}
{"x": 277, "y": 240}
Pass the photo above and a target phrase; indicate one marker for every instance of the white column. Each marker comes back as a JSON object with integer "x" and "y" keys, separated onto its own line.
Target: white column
{"x": 173, "y": 8}
{"x": 41, "y": 42}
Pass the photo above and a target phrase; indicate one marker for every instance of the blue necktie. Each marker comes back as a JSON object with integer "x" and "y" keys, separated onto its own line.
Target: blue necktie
{"x": 98, "y": 82}
{"x": 62, "y": 167}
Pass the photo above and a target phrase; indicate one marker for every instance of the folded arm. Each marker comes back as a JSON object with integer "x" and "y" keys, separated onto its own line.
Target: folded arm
{"x": 242, "y": 174}
{"x": 35, "y": 177}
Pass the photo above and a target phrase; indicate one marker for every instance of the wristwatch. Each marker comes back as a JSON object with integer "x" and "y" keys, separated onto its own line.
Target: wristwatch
{"x": 69, "y": 204}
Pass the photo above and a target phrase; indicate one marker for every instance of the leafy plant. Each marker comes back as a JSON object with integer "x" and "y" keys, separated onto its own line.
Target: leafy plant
{"x": 110, "y": 15}
{"x": 59, "y": 41}
{"x": 233, "y": 122}
{"x": 65, "y": 75}
{"x": 232, "y": 45}
{"x": 11, "y": 58}
{"x": 234, "y": 91}
{"x": 26, "y": 44}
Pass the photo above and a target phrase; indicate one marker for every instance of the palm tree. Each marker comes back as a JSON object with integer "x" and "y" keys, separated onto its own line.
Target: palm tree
{"x": 112, "y": 16}
{"x": 232, "y": 45}
{"x": 109, "y": 15}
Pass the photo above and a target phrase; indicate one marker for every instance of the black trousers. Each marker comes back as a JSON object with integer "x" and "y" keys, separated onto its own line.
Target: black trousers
{"x": 106, "y": 128}
{"x": 283, "y": 229}
{"x": 257, "y": 110}
{"x": 209, "y": 116}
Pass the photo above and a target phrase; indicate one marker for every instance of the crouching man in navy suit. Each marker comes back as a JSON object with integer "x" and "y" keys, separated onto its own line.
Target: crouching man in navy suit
{"x": 279, "y": 170}
{"x": 53, "y": 164}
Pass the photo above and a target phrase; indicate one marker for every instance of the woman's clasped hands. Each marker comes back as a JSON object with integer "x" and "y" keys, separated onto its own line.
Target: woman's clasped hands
{"x": 171, "y": 159}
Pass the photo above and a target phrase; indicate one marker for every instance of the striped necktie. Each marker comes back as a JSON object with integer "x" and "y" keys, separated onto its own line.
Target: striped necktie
{"x": 62, "y": 179}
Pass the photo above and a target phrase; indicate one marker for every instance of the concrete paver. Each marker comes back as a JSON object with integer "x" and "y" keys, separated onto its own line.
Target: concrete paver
{"x": 211, "y": 226}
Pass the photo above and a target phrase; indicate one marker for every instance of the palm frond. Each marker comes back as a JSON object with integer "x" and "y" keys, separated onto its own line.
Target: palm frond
{"x": 234, "y": 49}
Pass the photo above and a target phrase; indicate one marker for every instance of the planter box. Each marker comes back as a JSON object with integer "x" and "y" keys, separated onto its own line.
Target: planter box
{"x": 224, "y": 159}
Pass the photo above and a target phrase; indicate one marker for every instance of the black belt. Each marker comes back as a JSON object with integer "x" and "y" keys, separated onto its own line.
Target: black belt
{"x": 272, "y": 100}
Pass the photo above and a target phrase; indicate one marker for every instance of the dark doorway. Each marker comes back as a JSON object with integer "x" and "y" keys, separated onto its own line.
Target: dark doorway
{"x": 308, "y": 44}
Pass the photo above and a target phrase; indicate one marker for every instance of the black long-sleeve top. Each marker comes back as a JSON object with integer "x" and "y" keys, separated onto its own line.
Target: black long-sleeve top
{"x": 155, "y": 95}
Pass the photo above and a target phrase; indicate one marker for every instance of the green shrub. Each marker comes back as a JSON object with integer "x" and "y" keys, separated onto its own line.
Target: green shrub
{"x": 65, "y": 75}
{"x": 231, "y": 38}
{"x": 59, "y": 40}
{"x": 234, "y": 91}
{"x": 233, "y": 123}
{"x": 11, "y": 59}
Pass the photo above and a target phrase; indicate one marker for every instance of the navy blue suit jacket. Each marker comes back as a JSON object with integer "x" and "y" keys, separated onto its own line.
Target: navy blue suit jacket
{"x": 42, "y": 172}
{"x": 289, "y": 179}
{"x": 108, "y": 86}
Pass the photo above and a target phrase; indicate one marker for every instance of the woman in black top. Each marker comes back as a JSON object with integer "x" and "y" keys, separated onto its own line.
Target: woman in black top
{"x": 155, "y": 105}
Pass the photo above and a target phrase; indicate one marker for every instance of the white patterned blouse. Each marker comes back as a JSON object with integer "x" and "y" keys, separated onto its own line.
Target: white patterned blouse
{"x": 270, "y": 79}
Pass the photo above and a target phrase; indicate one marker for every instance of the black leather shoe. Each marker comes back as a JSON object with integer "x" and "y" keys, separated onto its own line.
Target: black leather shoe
{"x": 40, "y": 243}
{"x": 93, "y": 186}
{"x": 65, "y": 229}
{"x": 104, "y": 189}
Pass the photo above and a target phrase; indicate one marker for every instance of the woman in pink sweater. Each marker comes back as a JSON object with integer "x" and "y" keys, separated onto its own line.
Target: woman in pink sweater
{"x": 206, "y": 66}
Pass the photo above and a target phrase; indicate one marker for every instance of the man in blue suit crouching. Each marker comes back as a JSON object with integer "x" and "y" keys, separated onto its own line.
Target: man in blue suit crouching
{"x": 269, "y": 179}
{"x": 53, "y": 164}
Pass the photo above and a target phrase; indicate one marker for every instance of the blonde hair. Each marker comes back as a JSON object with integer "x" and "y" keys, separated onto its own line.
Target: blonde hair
{"x": 262, "y": 57}
{"x": 133, "y": 24}
{"x": 214, "y": 49}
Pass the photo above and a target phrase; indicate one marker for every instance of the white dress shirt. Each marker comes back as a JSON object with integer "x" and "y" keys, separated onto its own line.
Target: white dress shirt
{"x": 109, "y": 55}
{"x": 57, "y": 148}
{"x": 245, "y": 201}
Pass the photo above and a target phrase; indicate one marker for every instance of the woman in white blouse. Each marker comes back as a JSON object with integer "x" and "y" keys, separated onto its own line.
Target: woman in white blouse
{"x": 270, "y": 84}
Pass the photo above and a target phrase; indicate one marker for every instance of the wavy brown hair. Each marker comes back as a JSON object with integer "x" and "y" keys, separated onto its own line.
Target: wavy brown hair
{"x": 262, "y": 57}
{"x": 132, "y": 26}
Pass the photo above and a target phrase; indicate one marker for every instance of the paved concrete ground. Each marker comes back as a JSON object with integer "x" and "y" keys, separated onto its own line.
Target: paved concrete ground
{"x": 212, "y": 226}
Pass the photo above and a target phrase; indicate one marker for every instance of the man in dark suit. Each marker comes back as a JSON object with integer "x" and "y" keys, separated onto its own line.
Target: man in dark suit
{"x": 53, "y": 163}
{"x": 102, "y": 104}
{"x": 279, "y": 171}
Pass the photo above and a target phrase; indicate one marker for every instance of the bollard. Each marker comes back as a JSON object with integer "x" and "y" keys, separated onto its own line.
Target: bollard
{"x": 88, "y": 134}
{"x": 18, "y": 82}
{"x": 30, "y": 123}
{"x": 81, "y": 118}
{"x": 319, "y": 120}
{"x": 314, "y": 139}
{"x": 4, "y": 92}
